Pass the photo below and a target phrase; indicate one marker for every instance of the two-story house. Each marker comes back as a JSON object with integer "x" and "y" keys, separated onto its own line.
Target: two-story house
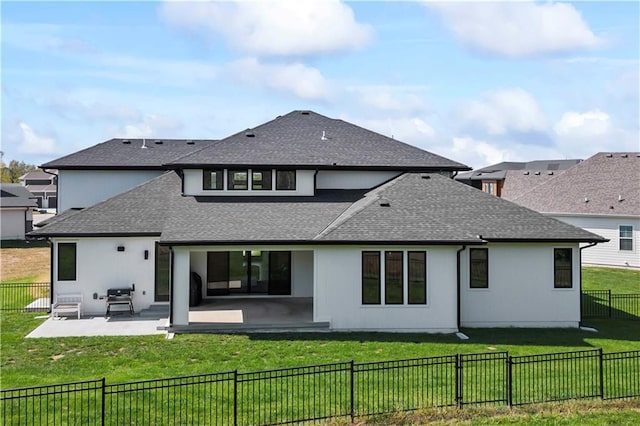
{"x": 43, "y": 187}
{"x": 374, "y": 231}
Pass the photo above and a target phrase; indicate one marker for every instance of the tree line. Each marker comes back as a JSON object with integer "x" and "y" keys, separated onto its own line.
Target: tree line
{"x": 10, "y": 173}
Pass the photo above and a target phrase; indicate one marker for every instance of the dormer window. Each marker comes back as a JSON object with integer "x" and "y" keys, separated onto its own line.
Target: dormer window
{"x": 212, "y": 179}
{"x": 238, "y": 180}
{"x": 286, "y": 180}
{"x": 261, "y": 180}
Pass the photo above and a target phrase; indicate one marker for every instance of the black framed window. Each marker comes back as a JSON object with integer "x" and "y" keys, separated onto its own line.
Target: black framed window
{"x": 371, "y": 278}
{"x": 163, "y": 273}
{"x": 626, "y": 237}
{"x": 562, "y": 268}
{"x": 393, "y": 278}
{"x": 286, "y": 180}
{"x": 479, "y": 268}
{"x": 66, "y": 261}
{"x": 261, "y": 180}
{"x": 212, "y": 179}
{"x": 238, "y": 179}
{"x": 417, "y": 265}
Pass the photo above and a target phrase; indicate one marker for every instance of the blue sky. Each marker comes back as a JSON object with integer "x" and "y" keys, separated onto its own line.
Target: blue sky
{"x": 476, "y": 82}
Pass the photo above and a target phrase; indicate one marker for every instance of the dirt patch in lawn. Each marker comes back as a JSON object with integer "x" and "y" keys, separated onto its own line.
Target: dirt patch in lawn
{"x": 30, "y": 263}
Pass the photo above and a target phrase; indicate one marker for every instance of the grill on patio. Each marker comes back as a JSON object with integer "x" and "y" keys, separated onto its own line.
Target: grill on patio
{"x": 119, "y": 296}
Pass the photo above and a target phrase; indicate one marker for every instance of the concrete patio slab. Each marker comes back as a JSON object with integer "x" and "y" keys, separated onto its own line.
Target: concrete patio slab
{"x": 98, "y": 326}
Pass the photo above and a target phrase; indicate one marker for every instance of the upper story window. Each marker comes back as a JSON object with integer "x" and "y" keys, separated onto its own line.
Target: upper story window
{"x": 562, "y": 268}
{"x": 286, "y": 180}
{"x": 212, "y": 179}
{"x": 261, "y": 180}
{"x": 479, "y": 268}
{"x": 626, "y": 237}
{"x": 238, "y": 180}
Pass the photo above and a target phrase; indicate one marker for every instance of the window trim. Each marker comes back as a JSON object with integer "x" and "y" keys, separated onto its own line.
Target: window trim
{"x": 75, "y": 261}
{"x": 621, "y": 238}
{"x": 379, "y": 300}
{"x": 555, "y": 269}
{"x": 424, "y": 254}
{"x": 208, "y": 172}
{"x": 471, "y": 261}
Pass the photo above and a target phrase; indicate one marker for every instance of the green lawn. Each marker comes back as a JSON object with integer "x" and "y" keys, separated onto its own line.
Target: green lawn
{"x": 616, "y": 280}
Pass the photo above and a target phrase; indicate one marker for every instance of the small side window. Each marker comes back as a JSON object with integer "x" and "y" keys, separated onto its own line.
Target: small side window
{"x": 562, "y": 268}
{"x": 479, "y": 268}
{"x": 626, "y": 237}
{"x": 371, "y": 278}
{"x": 66, "y": 261}
{"x": 212, "y": 179}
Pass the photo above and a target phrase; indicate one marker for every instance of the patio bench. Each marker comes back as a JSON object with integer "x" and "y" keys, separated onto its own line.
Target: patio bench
{"x": 63, "y": 303}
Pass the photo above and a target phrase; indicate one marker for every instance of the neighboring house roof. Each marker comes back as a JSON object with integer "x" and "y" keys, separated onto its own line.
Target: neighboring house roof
{"x": 605, "y": 184}
{"x": 305, "y": 139}
{"x": 517, "y": 182}
{"x": 499, "y": 171}
{"x": 421, "y": 209}
{"x": 129, "y": 154}
{"x": 15, "y": 195}
{"x": 37, "y": 175}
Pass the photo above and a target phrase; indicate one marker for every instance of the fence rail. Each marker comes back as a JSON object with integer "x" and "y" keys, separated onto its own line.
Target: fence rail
{"x": 604, "y": 304}
{"x": 330, "y": 391}
{"x": 25, "y": 297}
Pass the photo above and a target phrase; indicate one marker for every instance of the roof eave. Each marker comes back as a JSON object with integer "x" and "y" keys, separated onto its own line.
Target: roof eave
{"x": 319, "y": 242}
{"x": 92, "y": 234}
{"x": 546, "y": 240}
{"x": 176, "y": 166}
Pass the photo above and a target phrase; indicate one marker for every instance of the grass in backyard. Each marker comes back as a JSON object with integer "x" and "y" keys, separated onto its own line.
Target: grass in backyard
{"x": 27, "y": 263}
{"x": 614, "y": 279}
{"x": 584, "y": 413}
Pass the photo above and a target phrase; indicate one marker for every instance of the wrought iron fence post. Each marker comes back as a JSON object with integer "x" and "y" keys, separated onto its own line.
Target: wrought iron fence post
{"x": 509, "y": 381}
{"x": 103, "y": 398}
{"x": 601, "y": 362}
{"x": 352, "y": 411}
{"x": 235, "y": 397}
{"x": 458, "y": 381}
{"x": 609, "y": 297}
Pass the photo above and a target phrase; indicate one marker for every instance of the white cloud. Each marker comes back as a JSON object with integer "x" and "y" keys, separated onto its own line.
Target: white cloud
{"x": 152, "y": 125}
{"x": 589, "y": 124}
{"x": 295, "y": 78}
{"x": 505, "y": 110}
{"x": 273, "y": 27}
{"x": 518, "y": 28}
{"x": 32, "y": 143}
{"x": 398, "y": 99}
{"x": 411, "y": 130}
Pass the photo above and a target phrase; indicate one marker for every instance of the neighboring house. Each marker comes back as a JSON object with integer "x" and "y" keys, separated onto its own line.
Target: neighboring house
{"x": 43, "y": 186}
{"x": 16, "y": 211}
{"x": 496, "y": 179}
{"x": 601, "y": 195}
{"x": 94, "y": 174}
{"x": 373, "y": 230}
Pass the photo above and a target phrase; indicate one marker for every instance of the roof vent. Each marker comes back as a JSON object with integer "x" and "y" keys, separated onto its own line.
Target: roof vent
{"x": 304, "y": 112}
{"x": 425, "y": 177}
{"x": 526, "y": 173}
{"x": 159, "y": 142}
{"x": 250, "y": 134}
{"x": 537, "y": 173}
{"x": 610, "y": 207}
{"x": 190, "y": 142}
{"x": 126, "y": 142}
{"x": 324, "y": 136}
{"x": 586, "y": 199}
{"x": 620, "y": 197}
{"x": 550, "y": 173}
{"x": 144, "y": 144}
{"x": 384, "y": 202}
{"x": 609, "y": 155}
{"x": 624, "y": 155}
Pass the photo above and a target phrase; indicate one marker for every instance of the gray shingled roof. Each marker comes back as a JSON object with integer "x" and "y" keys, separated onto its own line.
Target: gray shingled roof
{"x": 607, "y": 183}
{"x": 128, "y": 153}
{"x": 15, "y": 195}
{"x": 499, "y": 171}
{"x": 296, "y": 139}
{"x": 517, "y": 182}
{"x": 37, "y": 175}
{"x": 421, "y": 210}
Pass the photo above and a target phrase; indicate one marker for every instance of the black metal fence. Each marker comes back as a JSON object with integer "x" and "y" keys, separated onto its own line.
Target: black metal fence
{"x": 604, "y": 304}
{"x": 25, "y": 297}
{"x": 330, "y": 391}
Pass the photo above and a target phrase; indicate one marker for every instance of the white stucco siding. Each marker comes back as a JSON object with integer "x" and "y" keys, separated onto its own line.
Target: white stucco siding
{"x": 84, "y": 188}
{"x": 193, "y": 185}
{"x": 521, "y": 289}
{"x": 12, "y": 223}
{"x": 338, "y": 293}
{"x": 100, "y": 266}
{"x": 608, "y": 227}
{"x": 346, "y": 179}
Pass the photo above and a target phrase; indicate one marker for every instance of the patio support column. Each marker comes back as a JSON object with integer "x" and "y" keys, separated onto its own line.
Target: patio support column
{"x": 180, "y": 291}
